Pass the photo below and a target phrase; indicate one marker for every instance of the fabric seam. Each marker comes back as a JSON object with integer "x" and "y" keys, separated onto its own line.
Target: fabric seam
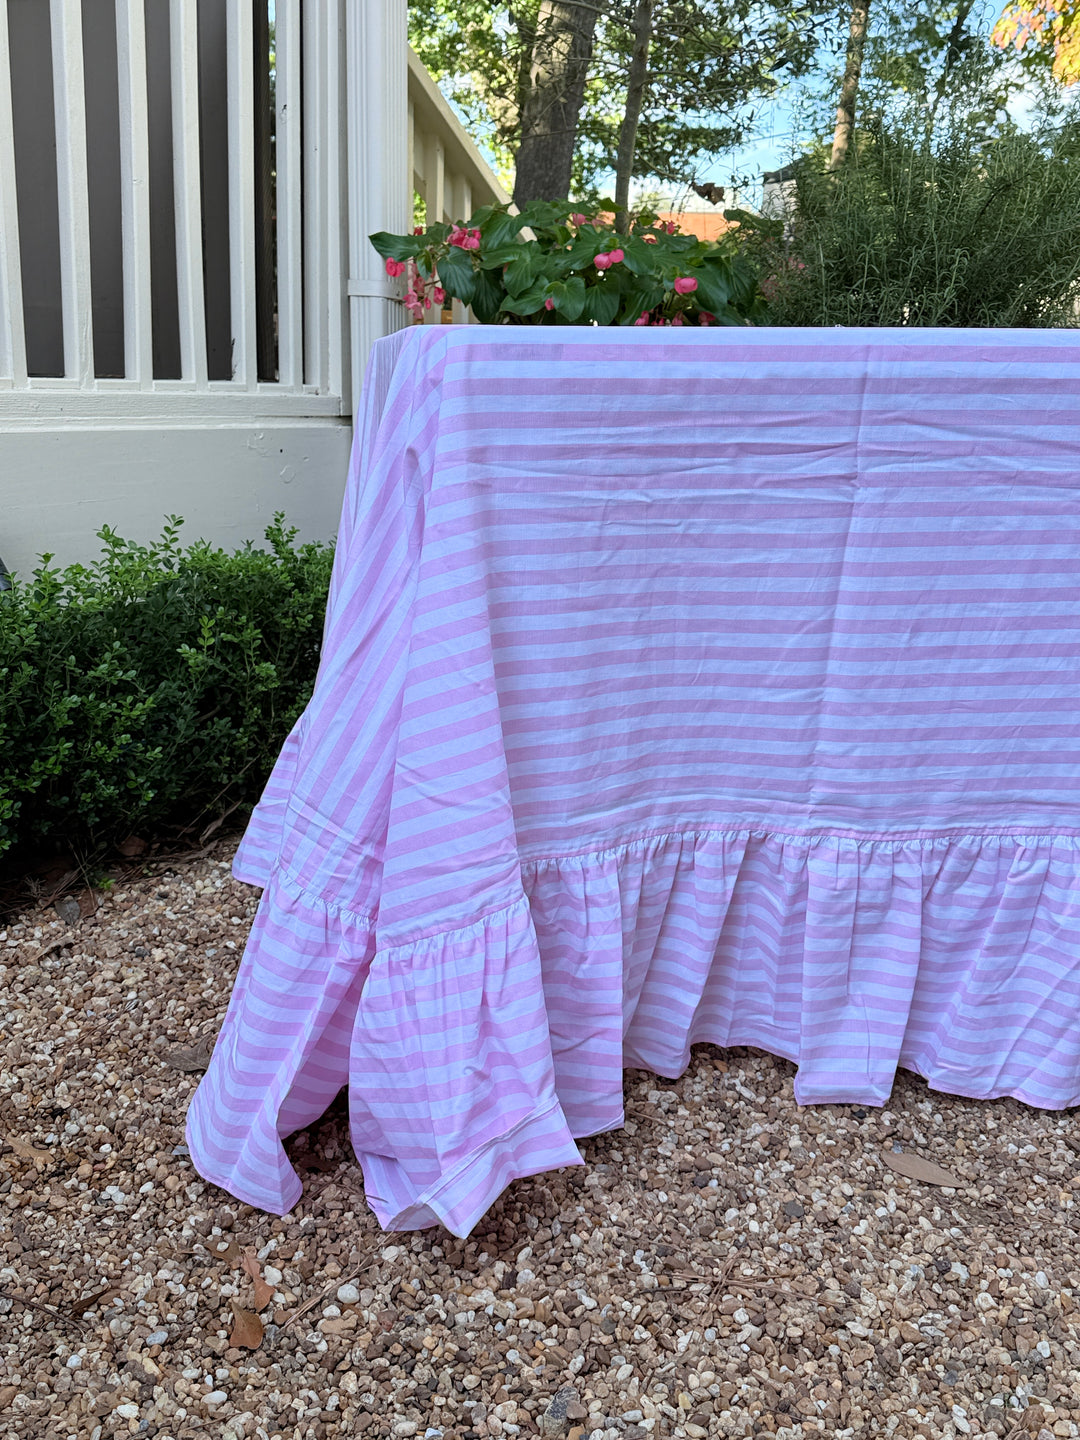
{"x": 812, "y": 836}
{"x": 528, "y": 864}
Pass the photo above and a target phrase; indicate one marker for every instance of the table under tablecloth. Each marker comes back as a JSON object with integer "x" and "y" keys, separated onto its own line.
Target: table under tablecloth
{"x": 710, "y": 685}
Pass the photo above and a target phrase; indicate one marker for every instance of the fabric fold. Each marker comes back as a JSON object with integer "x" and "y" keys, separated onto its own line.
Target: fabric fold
{"x": 848, "y": 957}
{"x": 283, "y": 1051}
{"x": 477, "y": 1056}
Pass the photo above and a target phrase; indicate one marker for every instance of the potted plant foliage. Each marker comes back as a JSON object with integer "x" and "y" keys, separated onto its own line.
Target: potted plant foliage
{"x": 553, "y": 264}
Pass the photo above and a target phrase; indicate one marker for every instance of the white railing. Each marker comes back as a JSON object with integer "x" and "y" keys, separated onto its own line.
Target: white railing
{"x": 447, "y": 170}
{"x": 304, "y": 310}
{"x": 187, "y": 290}
{"x": 195, "y": 275}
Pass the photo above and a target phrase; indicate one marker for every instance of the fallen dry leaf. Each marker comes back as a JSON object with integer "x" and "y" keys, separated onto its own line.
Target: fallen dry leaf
{"x": 190, "y": 1058}
{"x": 29, "y": 1152}
{"x": 915, "y": 1167}
{"x": 98, "y": 1297}
{"x": 60, "y": 943}
{"x": 247, "y": 1328}
{"x": 68, "y": 909}
{"x": 264, "y": 1293}
{"x": 132, "y": 846}
{"x": 227, "y": 1250}
{"x": 315, "y": 1161}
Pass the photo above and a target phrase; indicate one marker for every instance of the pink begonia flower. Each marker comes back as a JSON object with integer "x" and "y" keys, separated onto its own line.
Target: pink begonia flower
{"x": 410, "y": 297}
{"x": 577, "y": 218}
{"x": 615, "y": 256}
{"x": 417, "y": 229}
{"x": 670, "y": 227}
{"x": 642, "y": 319}
{"x": 549, "y": 303}
{"x": 706, "y": 319}
{"x": 603, "y": 261}
{"x": 685, "y": 285}
{"x": 438, "y": 295}
{"x": 394, "y": 268}
{"x": 650, "y": 239}
{"x": 471, "y": 242}
{"x": 678, "y": 320}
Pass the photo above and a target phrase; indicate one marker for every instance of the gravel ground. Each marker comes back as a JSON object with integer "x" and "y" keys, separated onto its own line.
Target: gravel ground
{"x": 728, "y": 1264}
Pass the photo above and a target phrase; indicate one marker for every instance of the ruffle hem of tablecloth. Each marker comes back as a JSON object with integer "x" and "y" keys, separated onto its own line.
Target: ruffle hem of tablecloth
{"x": 476, "y": 1056}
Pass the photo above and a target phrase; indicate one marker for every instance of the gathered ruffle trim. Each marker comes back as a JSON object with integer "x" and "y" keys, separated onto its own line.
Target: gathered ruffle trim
{"x": 475, "y": 1056}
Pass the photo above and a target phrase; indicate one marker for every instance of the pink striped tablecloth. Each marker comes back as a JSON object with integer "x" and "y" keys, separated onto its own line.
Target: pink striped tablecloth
{"x": 713, "y": 686}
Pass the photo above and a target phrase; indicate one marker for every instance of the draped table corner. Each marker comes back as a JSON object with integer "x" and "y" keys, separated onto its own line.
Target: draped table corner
{"x": 713, "y": 686}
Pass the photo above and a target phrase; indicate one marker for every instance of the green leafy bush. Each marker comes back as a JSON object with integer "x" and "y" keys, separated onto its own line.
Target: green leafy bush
{"x": 154, "y": 688}
{"x": 552, "y": 264}
{"x": 955, "y": 228}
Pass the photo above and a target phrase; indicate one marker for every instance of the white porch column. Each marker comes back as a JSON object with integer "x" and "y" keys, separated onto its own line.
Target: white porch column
{"x": 376, "y": 66}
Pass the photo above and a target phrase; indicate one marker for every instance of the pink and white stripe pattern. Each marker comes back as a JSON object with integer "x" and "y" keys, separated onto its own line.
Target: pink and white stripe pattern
{"x": 719, "y": 685}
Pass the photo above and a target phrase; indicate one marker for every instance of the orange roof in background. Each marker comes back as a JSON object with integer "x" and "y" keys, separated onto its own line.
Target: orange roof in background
{"x": 706, "y": 225}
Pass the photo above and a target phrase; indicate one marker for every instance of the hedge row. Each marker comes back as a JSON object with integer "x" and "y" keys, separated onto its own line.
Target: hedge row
{"x": 152, "y": 690}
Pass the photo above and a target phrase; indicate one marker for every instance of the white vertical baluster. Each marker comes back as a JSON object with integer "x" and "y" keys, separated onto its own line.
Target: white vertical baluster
{"x": 411, "y": 161}
{"x": 460, "y": 198}
{"x": 289, "y": 217}
{"x": 240, "y": 43}
{"x": 435, "y": 175}
{"x": 12, "y": 332}
{"x": 72, "y": 192}
{"x": 336, "y": 237}
{"x": 461, "y": 207}
{"x": 187, "y": 200}
{"x": 376, "y": 72}
{"x": 316, "y": 194}
{"x": 135, "y": 191}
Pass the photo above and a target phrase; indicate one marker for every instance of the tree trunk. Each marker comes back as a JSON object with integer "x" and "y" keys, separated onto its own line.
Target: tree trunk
{"x": 526, "y": 39}
{"x": 562, "y": 49}
{"x": 849, "y": 89}
{"x": 635, "y": 95}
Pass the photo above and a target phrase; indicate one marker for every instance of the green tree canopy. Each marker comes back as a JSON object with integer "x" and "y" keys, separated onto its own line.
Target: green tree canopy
{"x": 1046, "y": 31}
{"x": 710, "y": 64}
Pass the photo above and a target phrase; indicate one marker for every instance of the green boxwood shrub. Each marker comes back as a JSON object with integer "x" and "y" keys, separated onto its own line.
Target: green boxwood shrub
{"x": 150, "y": 692}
